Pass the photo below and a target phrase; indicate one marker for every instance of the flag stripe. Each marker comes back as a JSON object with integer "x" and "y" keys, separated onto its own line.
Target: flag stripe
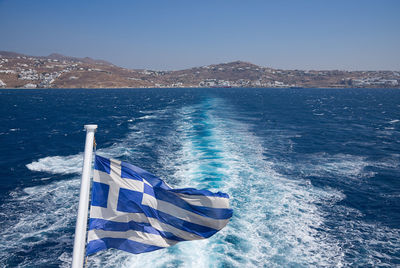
{"x": 96, "y": 224}
{"x": 192, "y": 191}
{"x": 117, "y": 216}
{"x": 182, "y": 224}
{"x": 205, "y": 201}
{"x": 119, "y": 243}
{"x": 141, "y": 237}
{"x": 210, "y": 212}
{"x": 182, "y": 214}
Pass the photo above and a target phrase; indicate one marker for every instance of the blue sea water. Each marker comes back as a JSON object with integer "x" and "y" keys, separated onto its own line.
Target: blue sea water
{"x": 313, "y": 174}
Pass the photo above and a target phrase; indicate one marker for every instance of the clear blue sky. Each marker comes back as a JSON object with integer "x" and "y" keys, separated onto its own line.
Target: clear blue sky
{"x": 171, "y": 35}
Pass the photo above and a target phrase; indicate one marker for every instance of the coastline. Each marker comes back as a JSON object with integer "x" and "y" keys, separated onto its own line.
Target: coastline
{"x": 219, "y": 88}
{"x": 57, "y": 71}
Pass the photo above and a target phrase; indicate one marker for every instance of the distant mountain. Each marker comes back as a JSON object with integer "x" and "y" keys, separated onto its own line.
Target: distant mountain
{"x": 8, "y": 54}
{"x": 59, "y": 71}
{"x": 56, "y": 56}
{"x": 85, "y": 60}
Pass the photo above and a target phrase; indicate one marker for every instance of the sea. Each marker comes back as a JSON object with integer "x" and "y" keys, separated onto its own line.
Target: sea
{"x": 313, "y": 174}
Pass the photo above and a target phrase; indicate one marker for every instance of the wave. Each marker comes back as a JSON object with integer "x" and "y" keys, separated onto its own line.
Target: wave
{"x": 71, "y": 164}
{"x": 44, "y": 223}
{"x": 278, "y": 220}
{"x": 55, "y": 206}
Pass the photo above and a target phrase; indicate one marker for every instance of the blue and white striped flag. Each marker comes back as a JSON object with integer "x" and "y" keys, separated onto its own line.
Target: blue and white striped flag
{"x": 135, "y": 211}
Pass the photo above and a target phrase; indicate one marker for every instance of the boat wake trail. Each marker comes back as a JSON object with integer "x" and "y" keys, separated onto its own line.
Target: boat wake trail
{"x": 279, "y": 220}
{"x": 275, "y": 222}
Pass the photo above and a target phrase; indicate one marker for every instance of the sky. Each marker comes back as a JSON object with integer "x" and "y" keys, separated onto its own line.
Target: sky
{"x": 174, "y": 34}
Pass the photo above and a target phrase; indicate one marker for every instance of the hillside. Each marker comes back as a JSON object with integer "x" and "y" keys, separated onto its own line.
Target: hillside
{"x": 58, "y": 71}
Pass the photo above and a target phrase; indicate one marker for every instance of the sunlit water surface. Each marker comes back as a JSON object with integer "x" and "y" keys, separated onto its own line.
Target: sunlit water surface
{"x": 313, "y": 174}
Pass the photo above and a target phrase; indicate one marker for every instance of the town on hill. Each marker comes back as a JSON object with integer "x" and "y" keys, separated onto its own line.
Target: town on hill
{"x": 58, "y": 71}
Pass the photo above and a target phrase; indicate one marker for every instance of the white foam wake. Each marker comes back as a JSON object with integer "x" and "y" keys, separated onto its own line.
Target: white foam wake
{"x": 44, "y": 223}
{"x": 278, "y": 221}
{"x": 275, "y": 221}
{"x": 58, "y": 164}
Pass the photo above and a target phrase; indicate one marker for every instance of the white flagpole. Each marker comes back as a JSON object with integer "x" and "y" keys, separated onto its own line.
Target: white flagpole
{"x": 81, "y": 222}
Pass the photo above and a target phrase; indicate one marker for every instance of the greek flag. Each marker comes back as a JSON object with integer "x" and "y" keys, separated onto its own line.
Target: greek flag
{"x": 134, "y": 211}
